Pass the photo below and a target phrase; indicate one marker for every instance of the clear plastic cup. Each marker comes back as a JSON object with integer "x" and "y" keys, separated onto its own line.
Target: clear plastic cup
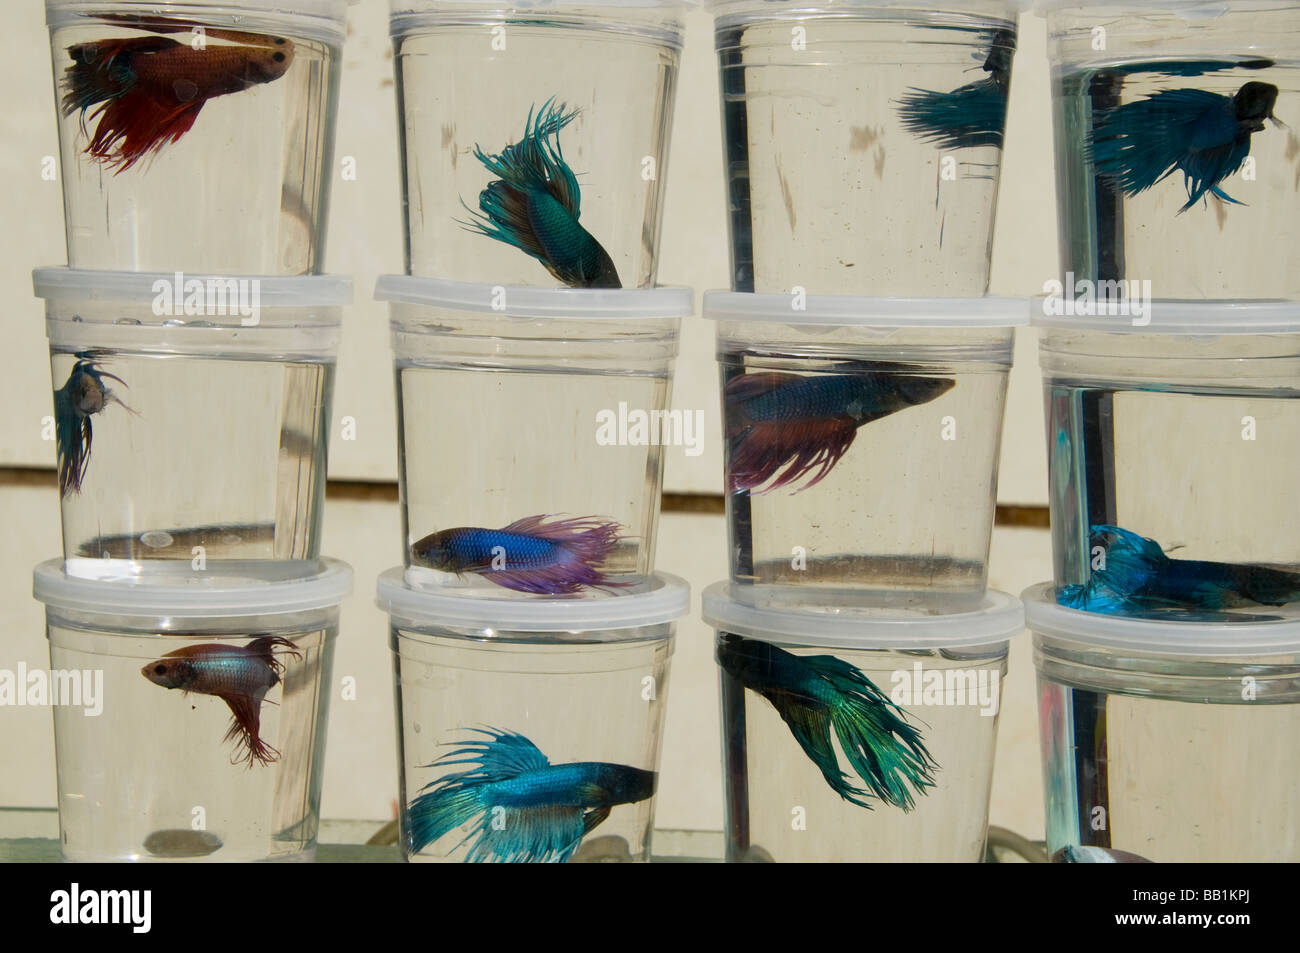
{"x": 863, "y": 142}
{"x": 1172, "y": 449}
{"x": 189, "y": 721}
{"x": 912, "y": 699}
{"x": 196, "y": 135}
{"x": 862, "y": 442}
{"x": 1165, "y": 741}
{"x": 591, "y": 84}
{"x": 529, "y": 732}
{"x": 1174, "y": 165}
{"x": 191, "y": 416}
{"x": 531, "y": 433}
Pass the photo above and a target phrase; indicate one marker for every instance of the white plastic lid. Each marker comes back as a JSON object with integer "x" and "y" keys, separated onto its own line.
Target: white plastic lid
{"x": 667, "y": 600}
{"x": 998, "y": 619}
{"x": 139, "y": 287}
{"x": 848, "y": 310}
{"x": 518, "y": 301}
{"x": 778, "y": 7}
{"x": 179, "y": 591}
{"x": 400, "y": 7}
{"x": 1172, "y": 316}
{"x": 1151, "y": 637}
{"x": 323, "y": 19}
{"x": 1195, "y": 9}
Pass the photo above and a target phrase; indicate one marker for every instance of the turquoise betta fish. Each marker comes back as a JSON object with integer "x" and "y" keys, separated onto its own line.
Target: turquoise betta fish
{"x": 820, "y": 694}
{"x": 82, "y": 396}
{"x": 1203, "y": 135}
{"x": 1071, "y": 854}
{"x": 1138, "y": 577}
{"x": 972, "y": 115}
{"x": 534, "y": 204}
{"x": 528, "y": 810}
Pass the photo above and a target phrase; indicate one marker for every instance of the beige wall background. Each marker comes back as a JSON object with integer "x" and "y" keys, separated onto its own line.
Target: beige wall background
{"x": 363, "y": 528}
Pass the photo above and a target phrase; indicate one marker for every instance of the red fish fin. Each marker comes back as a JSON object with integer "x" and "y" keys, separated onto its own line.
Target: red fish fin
{"x": 244, "y": 731}
{"x": 749, "y": 386}
{"x": 264, "y": 648}
{"x": 798, "y": 448}
{"x": 100, "y": 71}
{"x": 135, "y": 125}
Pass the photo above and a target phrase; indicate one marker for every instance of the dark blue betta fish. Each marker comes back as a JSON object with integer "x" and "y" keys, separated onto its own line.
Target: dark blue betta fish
{"x": 1137, "y": 577}
{"x": 534, "y": 204}
{"x": 528, "y": 810}
{"x": 83, "y": 395}
{"x": 972, "y": 115}
{"x": 529, "y": 555}
{"x": 1204, "y": 135}
{"x": 777, "y": 421}
{"x": 820, "y": 694}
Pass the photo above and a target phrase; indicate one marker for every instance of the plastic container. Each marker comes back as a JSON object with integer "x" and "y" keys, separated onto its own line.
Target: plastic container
{"x": 862, "y": 443}
{"x": 863, "y": 143}
{"x": 1185, "y": 432}
{"x": 592, "y": 82}
{"x": 1131, "y": 81}
{"x": 536, "y": 405}
{"x": 153, "y": 762}
{"x": 191, "y": 416}
{"x": 912, "y": 700}
{"x": 196, "y": 135}
{"x": 1169, "y": 741}
{"x": 559, "y": 704}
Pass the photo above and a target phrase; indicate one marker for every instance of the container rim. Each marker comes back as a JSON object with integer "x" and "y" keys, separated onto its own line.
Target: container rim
{"x": 192, "y": 595}
{"x": 399, "y": 7}
{"x": 520, "y": 301}
{"x": 1009, "y": 7}
{"x": 1209, "y": 8}
{"x": 142, "y": 287}
{"x": 853, "y": 311}
{"x": 998, "y": 619}
{"x": 1153, "y": 637}
{"x": 667, "y": 602}
{"x": 1180, "y": 316}
{"x": 321, "y": 19}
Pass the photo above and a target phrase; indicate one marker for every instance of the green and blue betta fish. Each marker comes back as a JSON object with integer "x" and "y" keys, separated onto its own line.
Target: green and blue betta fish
{"x": 534, "y": 204}
{"x": 797, "y": 424}
{"x": 528, "y": 810}
{"x": 972, "y": 115}
{"x": 820, "y": 694}
{"x": 1073, "y": 854}
{"x": 1138, "y": 577}
{"x": 1204, "y": 135}
{"x": 83, "y": 395}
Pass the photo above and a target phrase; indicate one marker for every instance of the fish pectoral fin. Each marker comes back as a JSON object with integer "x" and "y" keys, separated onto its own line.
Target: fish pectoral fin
{"x": 594, "y": 818}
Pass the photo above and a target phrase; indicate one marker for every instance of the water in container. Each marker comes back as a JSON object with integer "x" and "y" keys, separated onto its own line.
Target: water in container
{"x": 196, "y": 138}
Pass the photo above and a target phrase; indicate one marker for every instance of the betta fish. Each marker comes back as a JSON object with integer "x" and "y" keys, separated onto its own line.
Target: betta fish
{"x": 1137, "y": 576}
{"x": 529, "y": 555}
{"x": 528, "y": 810}
{"x": 240, "y": 675}
{"x": 534, "y": 204}
{"x": 1204, "y": 135}
{"x": 972, "y": 115}
{"x": 779, "y": 421}
{"x": 147, "y": 91}
{"x": 1096, "y": 855}
{"x": 818, "y": 694}
{"x": 80, "y": 398}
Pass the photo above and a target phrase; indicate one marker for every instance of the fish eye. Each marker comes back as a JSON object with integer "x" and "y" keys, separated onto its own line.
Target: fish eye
{"x": 279, "y": 41}
{"x": 278, "y": 57}
{"x": 160, "y": 669}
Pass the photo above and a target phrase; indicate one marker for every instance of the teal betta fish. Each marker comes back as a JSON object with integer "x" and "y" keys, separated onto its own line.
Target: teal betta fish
{"x": 1203, "y": 135}
{"x": 786, "y": 422}
{"x": 534, "y": 204}
{"x": 820, "y": 694}
{"x": 528, "y": 810}
{"x": 1096, "y": 855}
{"x": 530, "y": 555}
{"x": 1138, "y": 577}
{"x": 82, "y": 396}
{"x": 972, "y": 115}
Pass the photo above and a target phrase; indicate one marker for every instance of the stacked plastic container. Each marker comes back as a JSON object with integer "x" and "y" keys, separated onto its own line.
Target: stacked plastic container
{"x": 192, "y": 349}
{"x": 1168, "y": 645}
{"x": 533, "y": 356}
{"x": 863, "y": 381}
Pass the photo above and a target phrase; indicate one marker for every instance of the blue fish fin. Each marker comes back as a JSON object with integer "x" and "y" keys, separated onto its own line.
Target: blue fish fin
{"x": 527, "y": 835}
{"x": 973, "y": 115}
{"x": 1141, "y": 143}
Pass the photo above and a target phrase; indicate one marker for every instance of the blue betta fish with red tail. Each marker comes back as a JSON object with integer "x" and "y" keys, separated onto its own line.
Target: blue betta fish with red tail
{"x": 528, "y": 810}
{"x": 786, "y": 422}
{"x": 535, "y": 203}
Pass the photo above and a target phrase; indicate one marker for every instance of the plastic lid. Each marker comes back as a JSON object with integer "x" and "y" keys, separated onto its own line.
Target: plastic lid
{"x": 517, "y": 301}
{"x": 831, "y": 6}
{"x": 848, "y": 310}
{"x": 132, "y": 287}
{"x": 667, "y": 600}
{"x": 323, "y": 19}
{"x": 1146, "y": 636}
{"x": 1199, "y": 9}
{"x": 399, "y": 7}
{"x": 179, "y": 591}
{"x": 998, "y": 619}
{"x": 1173, "y": 316}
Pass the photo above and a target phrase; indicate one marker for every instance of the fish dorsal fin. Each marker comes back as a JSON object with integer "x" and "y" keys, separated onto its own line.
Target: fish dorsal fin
{"x": 506, "y": 755}
{"x": 529, "y": 525}
{"x": 749, "y": 386}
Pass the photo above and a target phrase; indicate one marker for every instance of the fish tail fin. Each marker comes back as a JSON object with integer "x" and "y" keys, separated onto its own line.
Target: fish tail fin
{"x": 73, "y": 438}
{"x": 586, "y": 543}
{"x": 435, "y": 813}
{"x": 136, "y": 125}
{"x": 245, "y": 731}
{"x": 974, "y": 115}
{"x": 99, "y": 72}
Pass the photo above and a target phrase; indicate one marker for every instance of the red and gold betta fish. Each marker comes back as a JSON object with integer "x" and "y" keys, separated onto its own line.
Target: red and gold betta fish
{"x": 148, "y": 90}
{"x": 240, "y": 675}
